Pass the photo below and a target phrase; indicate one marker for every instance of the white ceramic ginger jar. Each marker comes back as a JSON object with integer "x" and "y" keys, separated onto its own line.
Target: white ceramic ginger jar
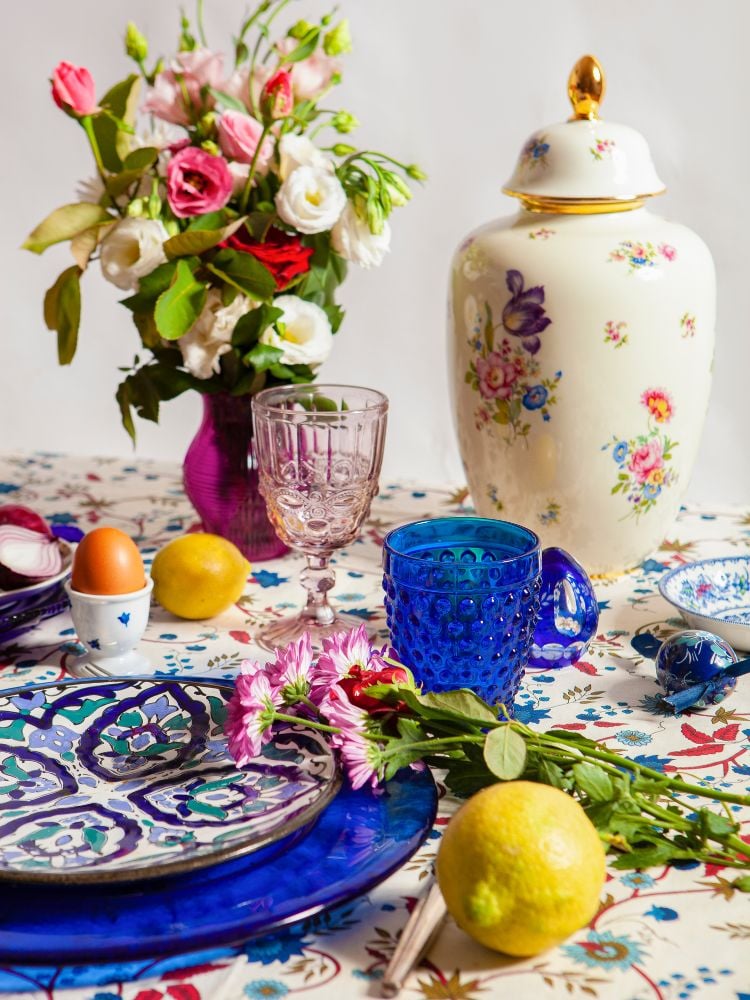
{"x": 581, "y": 344}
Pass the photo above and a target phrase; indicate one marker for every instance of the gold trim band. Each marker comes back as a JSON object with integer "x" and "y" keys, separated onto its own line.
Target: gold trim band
{"x": 579, "y": 206}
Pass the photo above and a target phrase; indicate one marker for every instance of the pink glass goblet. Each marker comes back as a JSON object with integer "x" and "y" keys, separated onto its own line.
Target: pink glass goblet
{"x": 319, "y": 450}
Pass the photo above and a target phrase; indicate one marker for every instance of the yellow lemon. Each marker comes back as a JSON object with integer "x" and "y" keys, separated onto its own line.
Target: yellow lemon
{"x": 521, "y": 867}
{"x": 199, "y": 576}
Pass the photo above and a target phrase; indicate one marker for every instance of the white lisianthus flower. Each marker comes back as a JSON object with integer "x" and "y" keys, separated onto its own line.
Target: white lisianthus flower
{"x": 306, "y": 339}
{"x": 351, "y": 239}
{"x": 131, "y": 249}
{"x": 311, "y": 200}
{"x": 298, "y": 151}
{"x": 211, "y": 334}
{"x": 90, "y": 190}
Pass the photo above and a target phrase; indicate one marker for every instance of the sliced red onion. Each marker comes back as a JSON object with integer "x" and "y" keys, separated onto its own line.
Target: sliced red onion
{"x": 24, "y": 517}
{"x": 26, "y": 557}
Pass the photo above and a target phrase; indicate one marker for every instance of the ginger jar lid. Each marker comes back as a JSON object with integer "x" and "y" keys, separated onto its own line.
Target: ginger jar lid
{"x": 585, "y": 165}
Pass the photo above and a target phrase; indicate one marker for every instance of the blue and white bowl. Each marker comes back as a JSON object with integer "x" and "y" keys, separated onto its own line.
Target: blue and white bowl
{"x": 714, "y": 595}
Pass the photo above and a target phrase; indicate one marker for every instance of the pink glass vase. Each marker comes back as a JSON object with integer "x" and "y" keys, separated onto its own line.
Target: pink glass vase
{"x": 221, "y": 478}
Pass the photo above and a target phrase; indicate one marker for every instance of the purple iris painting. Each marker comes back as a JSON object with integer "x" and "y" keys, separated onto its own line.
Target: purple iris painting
{"x": 523, "y": 315}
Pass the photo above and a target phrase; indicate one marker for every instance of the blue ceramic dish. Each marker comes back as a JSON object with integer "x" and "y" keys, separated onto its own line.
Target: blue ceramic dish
{"x": 713, "y": 595}
{"x": 357, "y": 842}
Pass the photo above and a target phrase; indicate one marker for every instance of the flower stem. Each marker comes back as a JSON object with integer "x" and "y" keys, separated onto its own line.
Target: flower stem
{"x": 298, "y": 721}
{"x": 251, "y": 172}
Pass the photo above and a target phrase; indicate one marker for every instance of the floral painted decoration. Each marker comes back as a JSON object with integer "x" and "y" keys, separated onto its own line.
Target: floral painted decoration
{"x": 614, "y": 333}
{"x": 508, "y": 376}
{"x": 643, "y": 462}
{"x": 534, "y": 153}
{"x": 542, "y": 234}
{"x": 642, "y": 255}
{"x": 687, "y": 325}
{"x": 220, "y": 209}
{"x": 552, "y": 514}
{"x": 602, "y": 148}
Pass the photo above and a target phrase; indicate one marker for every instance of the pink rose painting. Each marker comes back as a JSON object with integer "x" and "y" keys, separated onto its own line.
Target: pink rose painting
{"x": 496, "y": 377}
{"x": 645, "y": 459}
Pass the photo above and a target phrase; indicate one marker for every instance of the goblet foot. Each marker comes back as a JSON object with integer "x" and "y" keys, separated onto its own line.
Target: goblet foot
{"x": 286, "y": 630}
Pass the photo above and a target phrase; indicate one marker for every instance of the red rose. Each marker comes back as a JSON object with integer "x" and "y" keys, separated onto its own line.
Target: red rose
{"x": 282, "y": 253}
{"x": 356, "y": 684}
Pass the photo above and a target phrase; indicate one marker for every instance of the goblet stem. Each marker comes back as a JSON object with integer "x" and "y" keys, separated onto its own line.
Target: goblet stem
{"x": 317, "y": 579}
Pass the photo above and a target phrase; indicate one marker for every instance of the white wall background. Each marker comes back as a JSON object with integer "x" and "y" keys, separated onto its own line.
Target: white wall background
{"x": 456, "y": 86}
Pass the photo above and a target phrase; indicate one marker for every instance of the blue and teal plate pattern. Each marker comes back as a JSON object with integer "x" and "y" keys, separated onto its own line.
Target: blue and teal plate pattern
{"x": 713, "y": 595}
{"x": 119, "y": 780}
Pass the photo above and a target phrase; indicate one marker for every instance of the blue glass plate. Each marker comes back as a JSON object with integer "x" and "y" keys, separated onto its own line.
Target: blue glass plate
{"x": 357, "y": 842}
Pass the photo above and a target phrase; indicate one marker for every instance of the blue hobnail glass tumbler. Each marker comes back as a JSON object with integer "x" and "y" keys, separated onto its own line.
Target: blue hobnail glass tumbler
{"x": 461, "y": 599}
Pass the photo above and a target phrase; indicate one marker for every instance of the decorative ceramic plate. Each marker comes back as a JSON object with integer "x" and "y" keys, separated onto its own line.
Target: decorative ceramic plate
{"x": 22, "y": 609}
{"x": 714, "y": 595}
{"x": 357, "y": 842}
{"x": 121, "y": 780}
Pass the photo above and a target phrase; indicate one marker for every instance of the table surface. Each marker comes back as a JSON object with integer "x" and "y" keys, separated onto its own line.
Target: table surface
{"x": 663, "y": 934}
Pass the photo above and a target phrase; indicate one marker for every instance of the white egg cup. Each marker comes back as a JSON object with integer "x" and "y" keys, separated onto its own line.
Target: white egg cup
{"x": 110, "y": 626}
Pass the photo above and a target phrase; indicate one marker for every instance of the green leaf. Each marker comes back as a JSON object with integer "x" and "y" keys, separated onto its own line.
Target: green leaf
{"x": 465, "y": 777}
{"x": 262, "y": 357}
{"x": 648, "y": 857}
{"x": 122, "y": 101}
{"x": 62, "y": 312}
{"x": 227, "y": 100}
{"x": 305, "y": 48}
{"x": 151, "y": 286}
{"x": 593, "y": 781}
{"x": 713, "y": 825}
{"x": 551, "y": 774}
{"x": 197, "y": 241}
{"x": 136, "y": 164}
{"x": 124, "y": 401}
{"x": 180, "y": 305}
{"x": 335, "y": 316}
{"x": 505, "y": 752}
{"x": 489, "y": 330}
{"x": 63, "y": 224}
{"x": 250, "y": 326}
{"x": 258, "y": 224}
{"x": 462, "y": 703}
{"x": 245, "y": 272}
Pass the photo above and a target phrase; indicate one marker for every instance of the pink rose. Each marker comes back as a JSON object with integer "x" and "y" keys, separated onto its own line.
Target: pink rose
{"x": 239, "y": 136}
{"x": 197, "y": 182}
{"x": 311, "y": 76}
{"x": 645, "y": 459}
{"x": 190, "y": 72}
{"x": 276, "y": 99}
{"x": 73, "y": 89}
{"x": 496, "y": 377}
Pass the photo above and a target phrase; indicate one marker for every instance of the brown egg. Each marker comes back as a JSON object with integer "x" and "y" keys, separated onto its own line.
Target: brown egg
{"x": 107, "y": 561}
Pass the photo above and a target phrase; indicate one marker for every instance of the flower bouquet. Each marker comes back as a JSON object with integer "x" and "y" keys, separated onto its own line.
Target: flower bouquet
{"x": 217, "y": 205}
{"x": 380, "y": 721}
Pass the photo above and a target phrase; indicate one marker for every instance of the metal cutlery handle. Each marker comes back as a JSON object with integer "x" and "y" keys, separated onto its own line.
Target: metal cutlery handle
{"x": 416, "y": 937}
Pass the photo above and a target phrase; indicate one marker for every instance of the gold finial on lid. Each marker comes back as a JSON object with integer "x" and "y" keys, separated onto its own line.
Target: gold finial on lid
{"x": 586, "y": 88}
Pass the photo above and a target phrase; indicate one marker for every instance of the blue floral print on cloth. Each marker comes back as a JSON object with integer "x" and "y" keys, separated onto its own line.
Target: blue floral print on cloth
{"x": 665, "y": 934}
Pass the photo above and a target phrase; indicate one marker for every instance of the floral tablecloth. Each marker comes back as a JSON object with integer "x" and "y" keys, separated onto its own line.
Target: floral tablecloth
{"x": 667, "y": 934}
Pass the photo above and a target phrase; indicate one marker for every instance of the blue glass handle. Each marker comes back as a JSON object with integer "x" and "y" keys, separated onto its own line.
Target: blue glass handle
{"x": 568, "y": 612}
